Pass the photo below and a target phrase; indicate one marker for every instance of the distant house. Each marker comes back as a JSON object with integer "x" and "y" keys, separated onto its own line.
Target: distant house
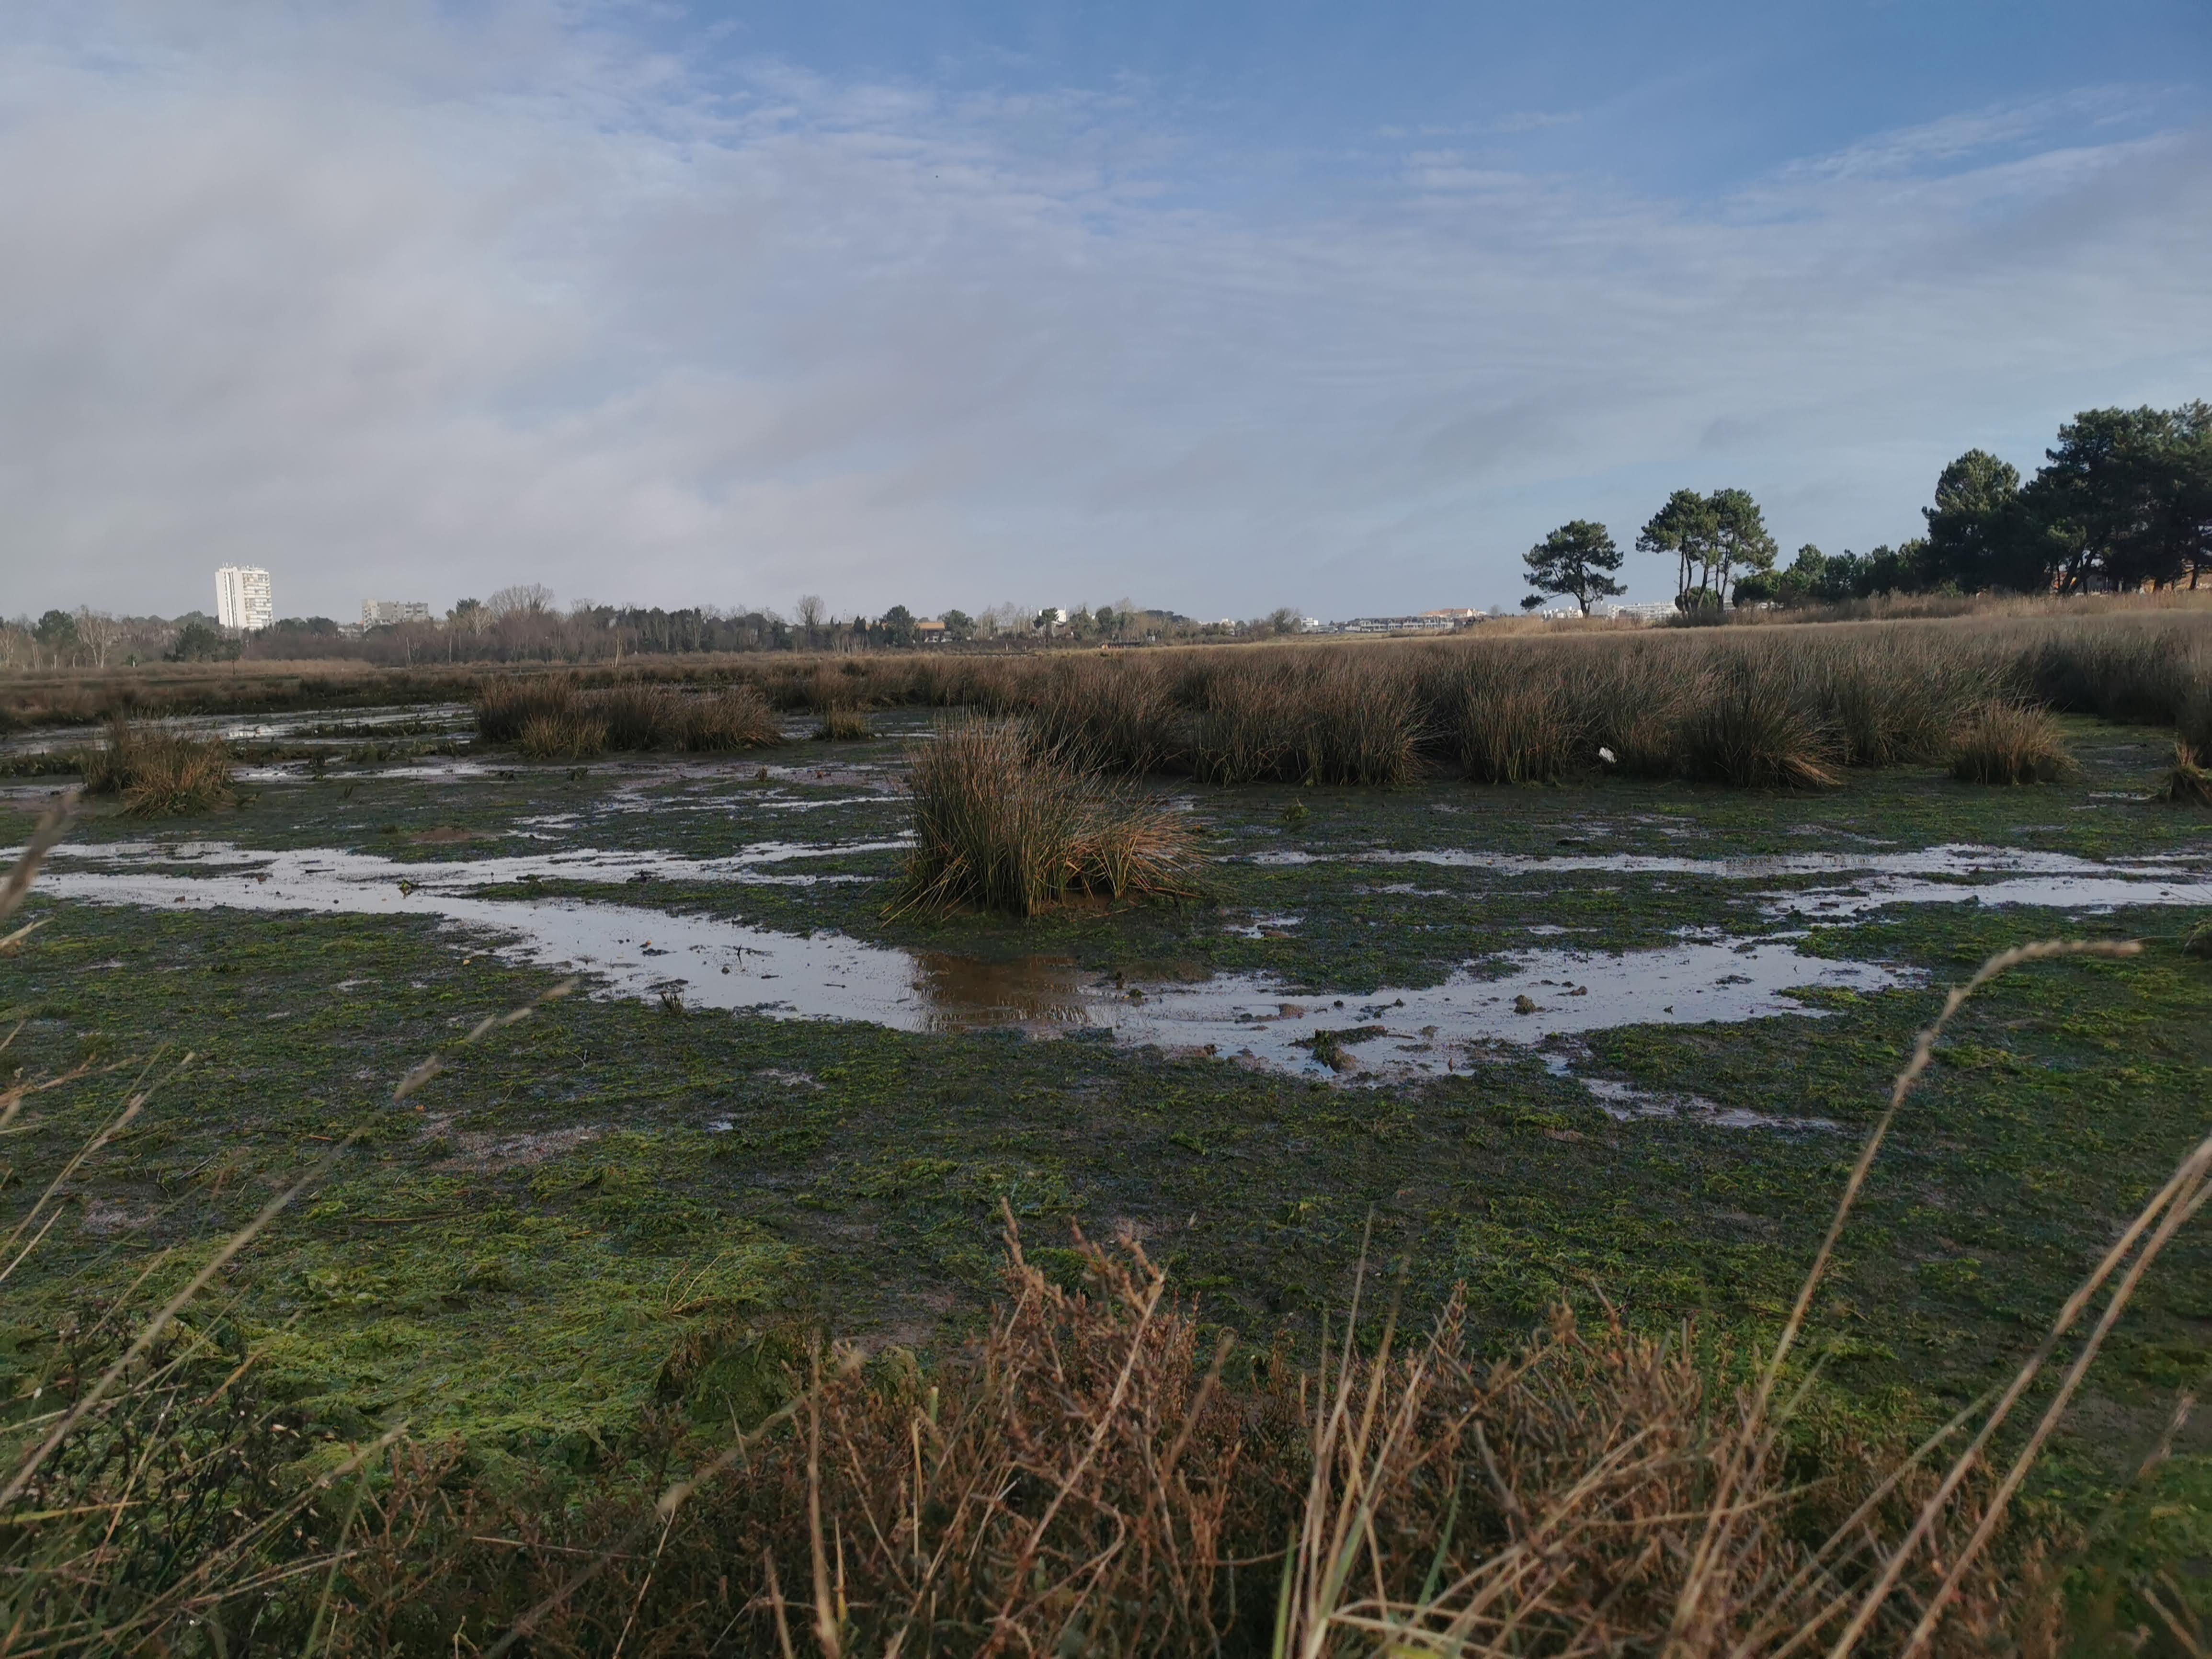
{"x": 383, "y": 613}
{"x": 929, "y": 633}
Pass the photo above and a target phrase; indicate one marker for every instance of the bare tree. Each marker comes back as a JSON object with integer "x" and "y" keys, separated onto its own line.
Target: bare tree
{"x": 100, "y": 632}
{"x": 523, "y": 599}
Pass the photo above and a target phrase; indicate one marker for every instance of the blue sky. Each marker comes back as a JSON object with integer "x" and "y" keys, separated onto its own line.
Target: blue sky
{"x": 1216, "y": 307}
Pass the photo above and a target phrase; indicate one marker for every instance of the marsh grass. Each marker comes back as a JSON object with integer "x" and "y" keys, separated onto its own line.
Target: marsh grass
{"x": 1518, "y": 731}
{"x": 1754, "y": 731}
{"x": 2187, "y": 782}
{"x": 159, "y": 774}
{"x": 839, "y": 724}
{"x": 2002, "y": 742}
{"x": 571, "y": 734}
{"x": 553, "y": 718}
{"x": 1099, "y": 1472}
{"x": 1002, "y": 824}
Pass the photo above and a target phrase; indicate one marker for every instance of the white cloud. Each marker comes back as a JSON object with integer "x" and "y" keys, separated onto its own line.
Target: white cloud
{"x": 393, "y": 302}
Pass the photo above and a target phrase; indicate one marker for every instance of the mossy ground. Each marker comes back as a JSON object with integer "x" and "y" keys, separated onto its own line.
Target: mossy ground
{"x": 580, "y": 1195}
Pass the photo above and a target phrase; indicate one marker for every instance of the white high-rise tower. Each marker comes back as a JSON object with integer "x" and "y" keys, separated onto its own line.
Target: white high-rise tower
{"x": 242, "y": 599}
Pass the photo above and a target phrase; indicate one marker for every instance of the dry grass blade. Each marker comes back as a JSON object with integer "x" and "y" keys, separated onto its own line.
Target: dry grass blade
{"x": 1695, "y": 1619}
{"x": 45, "y": 834}
{"x": 436, "y": 1063}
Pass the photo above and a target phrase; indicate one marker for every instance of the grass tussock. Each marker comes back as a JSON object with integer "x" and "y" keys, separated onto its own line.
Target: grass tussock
{"x": 1518, "y": 731}
{"x": 572, "y": 734}
{"x": 1754, "y": 731}
{"x": 843, "y": 724}
{"x": 2187, "y": 782}
{"x": 159, "y": 774}
{"x": 1002, "y": 824}
{"x": 2002, "y": 742}
{"x": 553, "y": 718}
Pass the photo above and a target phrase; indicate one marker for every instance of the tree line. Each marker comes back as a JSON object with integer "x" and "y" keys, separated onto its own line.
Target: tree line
{"x": 2123, "y": 502}
{"x": 522, "y": 623}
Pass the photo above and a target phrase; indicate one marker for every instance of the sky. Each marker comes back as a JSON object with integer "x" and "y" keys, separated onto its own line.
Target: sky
{"x": 1214, "y": 306}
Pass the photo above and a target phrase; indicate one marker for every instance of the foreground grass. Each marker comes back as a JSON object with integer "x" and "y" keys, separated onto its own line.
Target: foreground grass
{"x": 567, "y": 1211}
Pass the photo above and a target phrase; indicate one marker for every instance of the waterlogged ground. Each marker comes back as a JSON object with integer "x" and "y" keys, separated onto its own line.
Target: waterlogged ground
{"x": 1617, "y": 1037}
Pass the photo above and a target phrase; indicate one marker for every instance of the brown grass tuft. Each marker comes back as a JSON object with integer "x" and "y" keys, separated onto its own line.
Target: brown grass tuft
{"x": 2009, "y": 742}
{"x": 1001, "y": 825}
{"x": 572, "y": 734}
{"x": 159, "y": 774}
{"x": 842, "y": 725}
{"x": 716, "y": 722}
{"x": 2187, "y": 782}
{"x": 506, "y": 705}
{"x": 1752, "y": 732}
{"x": 1517, "y": 730}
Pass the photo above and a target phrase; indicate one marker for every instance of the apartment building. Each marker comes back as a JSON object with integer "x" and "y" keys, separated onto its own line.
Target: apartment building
{"x": 242, "y": 597}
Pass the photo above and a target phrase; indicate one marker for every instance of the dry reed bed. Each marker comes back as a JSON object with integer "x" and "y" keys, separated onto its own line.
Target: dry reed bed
{"x": 554, "y": 718}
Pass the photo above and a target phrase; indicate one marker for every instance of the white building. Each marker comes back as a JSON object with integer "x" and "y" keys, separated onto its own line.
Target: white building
{"x": 241, "y": 596}
{"x": 382, "y": 613}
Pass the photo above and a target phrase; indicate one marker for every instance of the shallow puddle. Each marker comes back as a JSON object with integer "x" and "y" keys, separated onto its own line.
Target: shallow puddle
{"x": 1519, "y": 997}
{"x": 1954, "y": 861}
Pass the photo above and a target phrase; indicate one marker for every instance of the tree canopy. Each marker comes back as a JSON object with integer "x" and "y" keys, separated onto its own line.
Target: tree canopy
{"x": 1577, "y": 559}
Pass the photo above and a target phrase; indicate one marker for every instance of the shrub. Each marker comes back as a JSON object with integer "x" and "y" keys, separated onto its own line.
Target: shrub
{"x": 2009, "y": 743}
{"x": 843, "y": 725}
{"x": 1001, "y": 825}
{"x": 159, "y": 774}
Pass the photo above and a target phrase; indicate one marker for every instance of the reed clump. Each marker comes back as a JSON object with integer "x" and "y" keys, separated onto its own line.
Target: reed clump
{"x": 158, "y": 772}
{"x": 1001, "y": 823}
{"x": 840, "y": 724}
{"x": 553, "y": 718}
{"x": 1754, "y": 730}
{"x": 1517, "y": 730}
{"x": 504, "y": 706}
{"x": 571, "y": 735}
{"x": 2002, "y": 742}
{"x": 2187, "y": 782}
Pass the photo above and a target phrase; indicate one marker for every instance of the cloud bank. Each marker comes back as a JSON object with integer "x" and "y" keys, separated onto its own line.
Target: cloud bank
{"x": 407, "y": 306}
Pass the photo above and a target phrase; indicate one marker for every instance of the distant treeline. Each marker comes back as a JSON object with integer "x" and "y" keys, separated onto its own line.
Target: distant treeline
{"x": 2122, "y": 503}
{"x": 522, "y": 624}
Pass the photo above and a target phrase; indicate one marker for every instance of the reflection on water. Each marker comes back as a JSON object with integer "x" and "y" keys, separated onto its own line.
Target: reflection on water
{"x": 963, "y": 993}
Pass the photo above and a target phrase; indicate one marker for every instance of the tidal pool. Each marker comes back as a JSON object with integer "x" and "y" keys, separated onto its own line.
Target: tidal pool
{"x": 1519, "y": 997}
